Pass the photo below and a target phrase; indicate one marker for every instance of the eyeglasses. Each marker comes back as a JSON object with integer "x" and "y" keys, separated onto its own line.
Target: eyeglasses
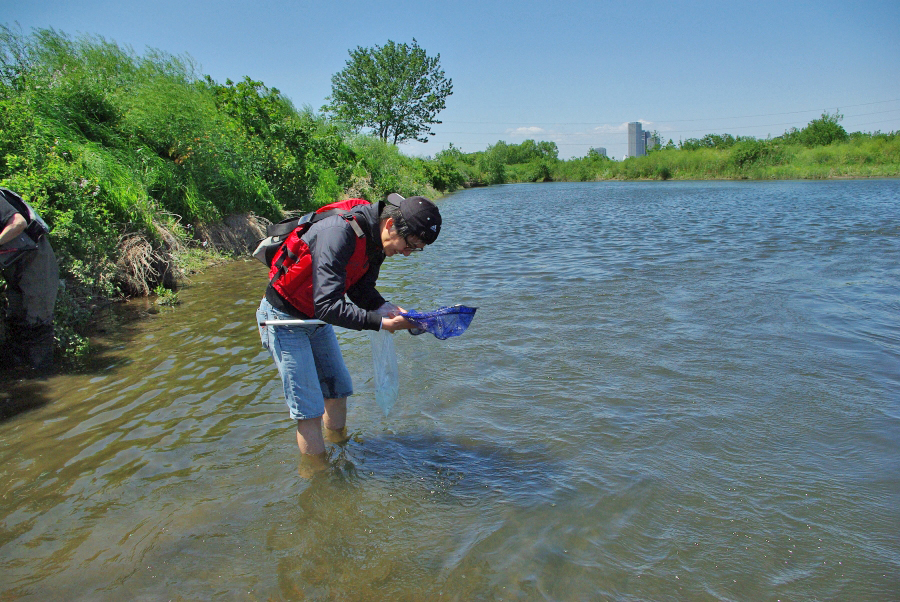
{"x": 410, "y": 247}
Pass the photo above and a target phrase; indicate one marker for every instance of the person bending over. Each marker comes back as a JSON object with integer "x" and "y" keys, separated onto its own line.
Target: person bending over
{"x": 329, "y": 273}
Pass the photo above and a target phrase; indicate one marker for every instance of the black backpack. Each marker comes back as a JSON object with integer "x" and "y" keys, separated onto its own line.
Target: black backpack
{"x": 265, "y": 249}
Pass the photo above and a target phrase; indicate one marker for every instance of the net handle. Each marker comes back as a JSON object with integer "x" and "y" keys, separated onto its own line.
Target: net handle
{"x": 290, "y": 322}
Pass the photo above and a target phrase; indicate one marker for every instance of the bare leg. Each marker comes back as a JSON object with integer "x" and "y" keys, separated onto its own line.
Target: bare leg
{"x": 310, "y": 439}
{"x": 312, "y": 447}
{"x": 335, "y": 420}
{"x": 309, "y": 436}
{"x": 309, "y": 432}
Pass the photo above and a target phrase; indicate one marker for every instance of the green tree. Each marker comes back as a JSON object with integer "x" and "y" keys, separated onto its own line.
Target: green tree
{"x": 719, "y": 141}
{"x": 819, "y": 132}
{"x": 492, "y": 167}
{"x": 395, "y": 89}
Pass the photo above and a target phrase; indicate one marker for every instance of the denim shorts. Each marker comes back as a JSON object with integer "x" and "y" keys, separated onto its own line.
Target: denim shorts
{"x": 309, "y": 362}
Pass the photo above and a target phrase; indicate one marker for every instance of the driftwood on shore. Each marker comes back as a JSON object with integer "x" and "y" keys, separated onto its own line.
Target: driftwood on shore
{"x": 142, "y": 265}
{"x": 234, "y": 234}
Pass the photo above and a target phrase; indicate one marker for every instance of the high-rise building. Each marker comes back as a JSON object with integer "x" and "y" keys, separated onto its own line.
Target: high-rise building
{"x": 600, "y": 150}
{"x": 637, "y": 144}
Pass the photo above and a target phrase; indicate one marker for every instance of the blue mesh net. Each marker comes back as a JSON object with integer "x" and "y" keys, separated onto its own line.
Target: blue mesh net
{"x": 444, "y": 322}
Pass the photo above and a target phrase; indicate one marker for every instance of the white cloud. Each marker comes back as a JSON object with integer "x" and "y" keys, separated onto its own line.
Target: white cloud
{"x": 526, "y": 131}
{"x": 610, "y": 129}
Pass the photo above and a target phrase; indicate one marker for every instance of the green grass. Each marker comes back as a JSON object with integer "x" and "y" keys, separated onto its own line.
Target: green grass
{"x": 860, "y": 157}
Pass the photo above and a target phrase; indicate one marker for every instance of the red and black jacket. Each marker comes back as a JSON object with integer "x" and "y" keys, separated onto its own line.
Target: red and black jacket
{"x": 336, "y": 256}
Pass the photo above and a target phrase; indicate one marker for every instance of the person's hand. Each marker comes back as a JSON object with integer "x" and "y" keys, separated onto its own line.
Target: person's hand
{"x": 389, "y": 310}
{"x": 396, "y": 323}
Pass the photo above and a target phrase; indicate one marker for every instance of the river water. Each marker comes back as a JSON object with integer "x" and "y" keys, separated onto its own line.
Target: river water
{"x": 671, "y": 390}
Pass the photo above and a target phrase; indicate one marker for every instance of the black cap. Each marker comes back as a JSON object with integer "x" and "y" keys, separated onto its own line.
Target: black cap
{"x": 420, "y": 214}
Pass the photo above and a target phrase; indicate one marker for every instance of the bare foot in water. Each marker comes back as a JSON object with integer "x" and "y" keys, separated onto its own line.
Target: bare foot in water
{"x": 338, "y": 436}
{"x": 312, "y": 464}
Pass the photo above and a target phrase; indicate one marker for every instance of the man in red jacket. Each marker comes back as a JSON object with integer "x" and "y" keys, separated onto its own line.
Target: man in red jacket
{"x": 329, "y": 274}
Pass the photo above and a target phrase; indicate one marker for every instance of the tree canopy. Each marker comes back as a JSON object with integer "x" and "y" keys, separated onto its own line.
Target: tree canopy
{"x": 819, "y": 132}
{"x": 395, "y": 89}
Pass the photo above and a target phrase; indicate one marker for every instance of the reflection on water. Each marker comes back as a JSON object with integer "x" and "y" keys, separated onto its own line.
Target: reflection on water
{"x": 671, "y": 390}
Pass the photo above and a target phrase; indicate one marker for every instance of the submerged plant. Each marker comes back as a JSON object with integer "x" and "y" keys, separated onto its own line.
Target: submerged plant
{"x": 166, "y": 296}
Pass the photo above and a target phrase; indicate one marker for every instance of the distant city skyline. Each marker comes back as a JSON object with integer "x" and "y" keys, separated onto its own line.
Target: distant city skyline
{"x": 639, "y": 140}
{"x": 560, "y": 75}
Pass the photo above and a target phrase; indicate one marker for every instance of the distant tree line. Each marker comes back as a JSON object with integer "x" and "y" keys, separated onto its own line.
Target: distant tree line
{"x": 821, "y": 149}
{"x": 823, "y": 131}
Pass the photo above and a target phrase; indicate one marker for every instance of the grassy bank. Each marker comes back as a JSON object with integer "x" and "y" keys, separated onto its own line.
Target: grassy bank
{"x": 857, "y": 155}
{"x": 862, "y": 156}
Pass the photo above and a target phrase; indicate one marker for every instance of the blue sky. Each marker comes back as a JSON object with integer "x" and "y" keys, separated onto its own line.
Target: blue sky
{"x": 571, "y": 72}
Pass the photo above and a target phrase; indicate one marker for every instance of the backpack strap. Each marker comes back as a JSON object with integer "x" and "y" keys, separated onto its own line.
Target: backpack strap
{"x": 287, "y": 226}
{"x": 357, "y": 229}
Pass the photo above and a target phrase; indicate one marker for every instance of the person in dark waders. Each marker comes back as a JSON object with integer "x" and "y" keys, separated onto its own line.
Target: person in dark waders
{"x": 329, "y": 273}
{"x": 32, "y": 281}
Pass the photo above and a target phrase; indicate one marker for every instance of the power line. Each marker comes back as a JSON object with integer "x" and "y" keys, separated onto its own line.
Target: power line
{"x": 737, "y": 127}
{"x": 444, "y": 145}
{"x": 788, "y": 113}
{"x": 667, "y": 120}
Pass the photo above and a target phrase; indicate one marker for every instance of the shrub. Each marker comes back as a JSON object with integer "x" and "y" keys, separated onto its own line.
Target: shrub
{"x": 819, "y": 132}
{"x": 747, "y": 152}
{"x": 443, "y": 174}
{"x": 389, "y": 170}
